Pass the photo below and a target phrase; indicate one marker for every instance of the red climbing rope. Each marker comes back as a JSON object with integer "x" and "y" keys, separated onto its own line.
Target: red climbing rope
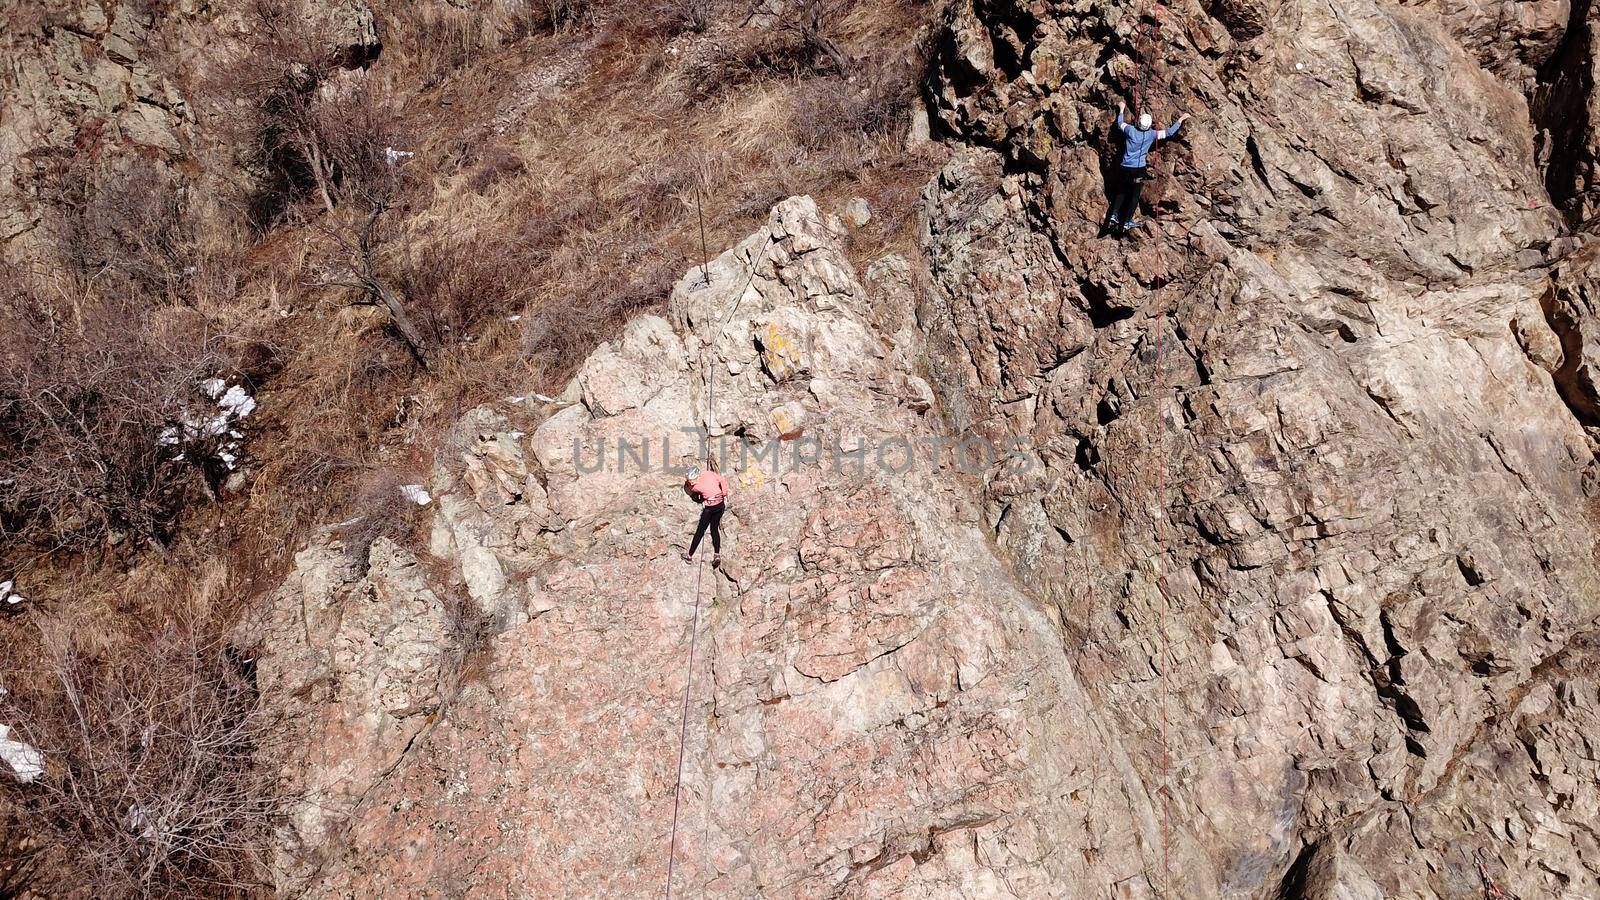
{"x": 1490, "y": 889}
{"x": 1149, "y": 62}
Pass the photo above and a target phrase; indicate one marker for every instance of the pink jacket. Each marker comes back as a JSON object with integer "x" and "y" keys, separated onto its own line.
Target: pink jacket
{"x": 711, "y": 487}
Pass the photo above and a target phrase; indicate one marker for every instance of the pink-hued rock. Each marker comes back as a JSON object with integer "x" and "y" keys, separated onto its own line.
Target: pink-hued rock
{"x": 877, "y": 708}
{"x": 1288, "y": 589}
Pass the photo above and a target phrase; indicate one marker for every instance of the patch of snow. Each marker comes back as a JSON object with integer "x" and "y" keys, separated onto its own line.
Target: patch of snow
{"x": 237, "y": 402}
{"x": 139, "y": 820}
{"x": 213, "y": 387}
{"x": 513, "y": 318}
{"x": 543, "y": 399}
{"x": 393, "y": 156}
{"x": 26, "y": 762}
{"x": 416, "y": 494}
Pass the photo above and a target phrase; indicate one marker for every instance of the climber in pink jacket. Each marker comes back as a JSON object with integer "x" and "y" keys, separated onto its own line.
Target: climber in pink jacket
{"x": 711, "y": 489}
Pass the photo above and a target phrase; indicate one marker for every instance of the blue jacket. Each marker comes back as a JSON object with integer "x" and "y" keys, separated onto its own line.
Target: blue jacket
{"x": 1140, "y": 140}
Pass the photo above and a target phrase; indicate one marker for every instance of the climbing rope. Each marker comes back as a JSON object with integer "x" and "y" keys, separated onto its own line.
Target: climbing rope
{"x": 694, "y": 629}
{"x": 1491, "y": 891}
{"x": 1148, "y": 62}
{"x": 683, "y": 731}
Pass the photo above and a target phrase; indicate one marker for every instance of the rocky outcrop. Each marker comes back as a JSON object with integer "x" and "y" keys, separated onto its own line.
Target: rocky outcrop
{"x": 1313, "y": 438}
{"x": 877, "y": 709}
{"x": 96, "y": 89}
{"x": 80, "y": 85}
{"x": 1250, "y": 557}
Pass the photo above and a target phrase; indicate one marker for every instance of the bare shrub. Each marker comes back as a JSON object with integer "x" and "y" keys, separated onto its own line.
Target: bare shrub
{"x": 442, "y": 38}
{"x": 128, "y": 230}
{"x": 361, "y": 142}
{"x": 20, "y": 858}
{"x": 456, "y": 282}
{"x": 831, "y": 108}
{"x": 95, "y": 393}
{"x": 561, "y": 15}
{"x": 380, "y": 509}
{"x": 151, "y": 786}
{"x": 560, "y": 332}
{"x": 675, "y": 17}
{"x": 287, "y": 84}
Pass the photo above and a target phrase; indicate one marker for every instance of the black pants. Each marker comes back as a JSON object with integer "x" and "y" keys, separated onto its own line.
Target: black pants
{"x": 1128, "y": 182}
{"x": 710, "y": 517}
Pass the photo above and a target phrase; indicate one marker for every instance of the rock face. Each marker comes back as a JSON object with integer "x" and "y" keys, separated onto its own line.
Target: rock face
{"x": 80, "y": 85}
{"x": 1272, "y": 575}
{"x": 877, "y": 708}
{"x": 1320, "y": 437}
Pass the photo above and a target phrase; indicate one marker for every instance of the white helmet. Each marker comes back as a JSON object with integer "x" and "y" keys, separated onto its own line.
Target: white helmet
{"x": 1144, "y": 121}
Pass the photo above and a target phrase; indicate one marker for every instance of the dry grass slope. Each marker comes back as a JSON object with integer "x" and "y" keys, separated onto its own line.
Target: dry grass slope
{"x": 556, "y": 158}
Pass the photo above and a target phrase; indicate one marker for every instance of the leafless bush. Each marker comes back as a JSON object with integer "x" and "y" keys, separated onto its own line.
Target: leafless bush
{"x": 442, "y": 38}
{"x": 561, "y": 15}
{"x": 94, "y": 397}
{"x": 295, "y": 135}
{"x": 558, "y": 334}
{"x": 128, "y": 231}
{"x": 151, "y": 786}
{"x": 808, "y": 24}
{"x": 20, "y": 856}
{"x": 869, "y": 107}
{"x": 791, "y": 40}
{"x": 455, "y": 283}
{"x": 679, "y": 16}
{"x": 379, "y": 510}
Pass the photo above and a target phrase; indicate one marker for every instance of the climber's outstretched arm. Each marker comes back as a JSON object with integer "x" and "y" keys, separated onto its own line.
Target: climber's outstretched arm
{"x": 1172, "y": 129}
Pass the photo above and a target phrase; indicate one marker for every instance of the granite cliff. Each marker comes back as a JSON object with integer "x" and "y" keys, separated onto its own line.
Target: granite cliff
{"x": 1251, "y": 556}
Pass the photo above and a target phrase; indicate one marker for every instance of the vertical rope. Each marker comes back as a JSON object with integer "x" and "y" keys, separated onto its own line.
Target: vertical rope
{"x": 683, "y": 731}
{"x": 700, "y": 210}
{"x": 710, "y": 369}
{"x": 1149, "y": 62}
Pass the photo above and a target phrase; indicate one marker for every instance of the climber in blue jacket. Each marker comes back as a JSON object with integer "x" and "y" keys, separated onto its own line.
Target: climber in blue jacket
{"x": 1130, "y": 177}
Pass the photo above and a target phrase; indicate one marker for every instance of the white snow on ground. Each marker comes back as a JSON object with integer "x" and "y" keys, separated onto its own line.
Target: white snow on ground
{"x": 416, "y": 494}
{"x": 233, "y": 403}
{"x": 237, "y": 402}
{"x": 26, "y": 762}
{"x": 8, "y": 594}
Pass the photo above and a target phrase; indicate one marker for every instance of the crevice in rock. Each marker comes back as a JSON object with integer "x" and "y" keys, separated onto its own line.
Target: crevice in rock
{"x": 1559, "y": 108}
{"x": 1578, "y": 397}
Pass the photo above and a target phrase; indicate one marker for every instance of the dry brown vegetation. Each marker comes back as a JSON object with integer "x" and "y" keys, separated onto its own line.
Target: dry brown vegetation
{"x": 561, "y": 151}
{"x": 94, "y": 393}
{"x": 150, "y": 727}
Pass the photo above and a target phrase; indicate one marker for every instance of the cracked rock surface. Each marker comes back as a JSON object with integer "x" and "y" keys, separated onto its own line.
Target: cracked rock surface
{"x": 879, "y": 709}
{"x": 1288, "y": 591}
